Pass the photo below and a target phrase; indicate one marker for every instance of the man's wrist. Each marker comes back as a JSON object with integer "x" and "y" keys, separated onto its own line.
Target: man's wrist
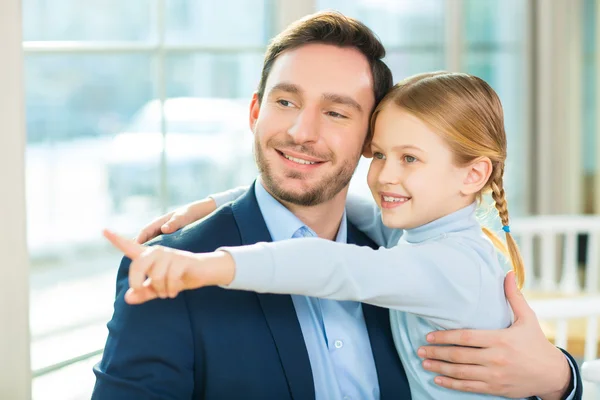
{"x": 563, "y": 381}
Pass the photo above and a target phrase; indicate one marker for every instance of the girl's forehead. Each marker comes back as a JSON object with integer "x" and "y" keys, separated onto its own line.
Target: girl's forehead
{"x": 400, "y": 129}
{"x": 393, "y": 123}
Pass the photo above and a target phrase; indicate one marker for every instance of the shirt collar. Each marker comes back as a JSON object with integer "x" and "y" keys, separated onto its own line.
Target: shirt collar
{"x": 281, "y": 222}
{"x": 460, "y": 220}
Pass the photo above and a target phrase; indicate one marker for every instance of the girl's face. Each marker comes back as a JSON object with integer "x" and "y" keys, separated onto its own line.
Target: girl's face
{"x": 413, "y": 177}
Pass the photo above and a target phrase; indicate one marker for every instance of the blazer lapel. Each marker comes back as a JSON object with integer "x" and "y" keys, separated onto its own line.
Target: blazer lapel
{"x": 393, "y": 383}
{"x": 279, "y": 310}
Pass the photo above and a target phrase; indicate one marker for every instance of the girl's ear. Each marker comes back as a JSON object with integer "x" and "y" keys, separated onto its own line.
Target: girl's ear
{"x": 477, "y": 175}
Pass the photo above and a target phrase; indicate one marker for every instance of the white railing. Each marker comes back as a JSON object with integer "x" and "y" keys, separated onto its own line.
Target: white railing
{"x": 549, "y": 247}
{"x": 590, "y": 373}
{"x": 562, "y": 310}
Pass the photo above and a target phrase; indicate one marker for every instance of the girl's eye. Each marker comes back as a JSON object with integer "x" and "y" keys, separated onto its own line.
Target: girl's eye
{"x": 410, "y": 159}
{"x": 378, "y": 155}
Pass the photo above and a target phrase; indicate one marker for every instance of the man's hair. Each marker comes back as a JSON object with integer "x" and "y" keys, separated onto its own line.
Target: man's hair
{"x": 334, "y": 28}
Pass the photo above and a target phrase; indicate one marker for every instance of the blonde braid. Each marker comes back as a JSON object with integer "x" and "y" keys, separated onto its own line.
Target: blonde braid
{"x": 497, "y": 185}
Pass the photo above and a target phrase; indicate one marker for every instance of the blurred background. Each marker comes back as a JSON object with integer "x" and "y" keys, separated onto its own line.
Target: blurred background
{"x": 135, "y": 107}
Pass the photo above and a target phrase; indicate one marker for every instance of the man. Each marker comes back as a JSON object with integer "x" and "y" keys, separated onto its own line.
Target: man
{"x": 321, "y": 79}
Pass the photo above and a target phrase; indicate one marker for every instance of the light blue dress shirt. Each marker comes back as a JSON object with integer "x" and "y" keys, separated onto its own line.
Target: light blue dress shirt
{"x": 334, "y": 332}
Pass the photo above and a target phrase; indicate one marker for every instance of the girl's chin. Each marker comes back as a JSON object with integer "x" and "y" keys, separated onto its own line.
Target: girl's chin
{"x": 394, "y": 223}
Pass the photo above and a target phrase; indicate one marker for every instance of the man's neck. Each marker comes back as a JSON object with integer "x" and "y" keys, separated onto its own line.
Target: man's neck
{"x": 325, "y": 218}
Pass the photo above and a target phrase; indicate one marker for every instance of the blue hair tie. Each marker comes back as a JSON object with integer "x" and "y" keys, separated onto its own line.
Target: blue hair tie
{"x": 506, "y": 228}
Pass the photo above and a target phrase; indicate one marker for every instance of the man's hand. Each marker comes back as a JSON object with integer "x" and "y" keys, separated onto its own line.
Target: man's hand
{"x": 162, "y": 272}
{"x": 515, "y": 362}
{"x": 177, "y": 219}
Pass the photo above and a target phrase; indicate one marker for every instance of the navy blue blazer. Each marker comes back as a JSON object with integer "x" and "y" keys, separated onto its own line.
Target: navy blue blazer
{"x": 213, "y": 343}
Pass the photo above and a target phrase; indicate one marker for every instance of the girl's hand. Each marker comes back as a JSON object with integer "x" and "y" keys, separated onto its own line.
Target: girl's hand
{"x": 158, "y": 271}
{"x": 177, "y": 219}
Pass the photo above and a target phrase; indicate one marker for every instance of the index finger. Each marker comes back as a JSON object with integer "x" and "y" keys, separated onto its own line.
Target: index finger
{"x": 130, "y": 248}
{"x": 463, "y": 337}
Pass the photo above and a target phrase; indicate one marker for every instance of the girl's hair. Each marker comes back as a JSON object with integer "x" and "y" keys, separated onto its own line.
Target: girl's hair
{"x": 468, "y": 114}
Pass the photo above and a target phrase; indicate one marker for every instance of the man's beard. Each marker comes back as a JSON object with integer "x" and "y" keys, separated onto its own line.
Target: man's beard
{"x": 322, "y": 191}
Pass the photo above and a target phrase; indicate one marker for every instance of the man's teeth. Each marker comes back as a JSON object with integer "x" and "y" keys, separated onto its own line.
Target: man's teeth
{"x": 395, "y": 199}
{"x": 298, "y": 160}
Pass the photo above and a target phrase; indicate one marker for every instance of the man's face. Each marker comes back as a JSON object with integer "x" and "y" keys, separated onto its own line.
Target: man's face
{"x": 311, "y": 125}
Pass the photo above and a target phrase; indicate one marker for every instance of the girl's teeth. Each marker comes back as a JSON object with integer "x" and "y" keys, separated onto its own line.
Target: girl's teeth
{"x": 394, "y": 199}
{"x": 298, "y": 160}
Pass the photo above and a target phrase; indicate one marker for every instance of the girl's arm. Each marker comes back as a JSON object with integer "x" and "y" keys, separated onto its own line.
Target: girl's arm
{"x": 228, "y": 195}
{"x": 366, "y": 216}
{"x": 436, "y": 280}
{"x": 362, "y": 212}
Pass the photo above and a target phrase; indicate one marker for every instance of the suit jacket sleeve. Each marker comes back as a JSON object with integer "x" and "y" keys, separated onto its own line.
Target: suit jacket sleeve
{"x": 149, "y": 350}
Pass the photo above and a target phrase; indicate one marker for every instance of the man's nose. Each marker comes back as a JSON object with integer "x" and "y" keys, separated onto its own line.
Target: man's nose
{"x": 306, "y": 127}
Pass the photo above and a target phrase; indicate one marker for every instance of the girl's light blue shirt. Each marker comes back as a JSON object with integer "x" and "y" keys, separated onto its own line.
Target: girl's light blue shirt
{"x": 442, "y": 275}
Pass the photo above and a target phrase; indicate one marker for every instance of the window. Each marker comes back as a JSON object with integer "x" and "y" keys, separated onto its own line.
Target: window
{"x": 135, "y": 107}
{"x": 100, "y": 78}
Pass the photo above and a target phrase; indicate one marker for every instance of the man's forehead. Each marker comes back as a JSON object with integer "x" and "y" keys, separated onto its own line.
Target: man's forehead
{"x": 322, "y": 68}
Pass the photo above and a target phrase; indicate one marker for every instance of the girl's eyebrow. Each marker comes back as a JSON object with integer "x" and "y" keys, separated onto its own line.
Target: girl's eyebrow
{"x": 407, "y": 146}
{"x": 400, "y": 148}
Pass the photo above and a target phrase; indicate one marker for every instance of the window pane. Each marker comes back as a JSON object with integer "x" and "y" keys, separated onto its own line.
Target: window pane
{"x": 100, "y": 20}
{"x": 209, "y": 143}
{"x": 76, "y": 104}
{"x": 406, "y": 64}
{"x": 225, "y": 23}
{"x": 233, "y": 75}
{"x": 503, "y": 71}
{"x": 495, "y": 40}
{"x": 396, "y": 22}
{"x": 494, "y": 22}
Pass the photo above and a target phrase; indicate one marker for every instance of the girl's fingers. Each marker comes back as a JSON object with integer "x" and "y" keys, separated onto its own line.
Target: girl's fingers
{"x": 139, "y": 296}
{"x": 174, "y": 281}
{"x": 141, "y": 267}
{"x": 158, "y": 274}
{"x": 129, "y": 247}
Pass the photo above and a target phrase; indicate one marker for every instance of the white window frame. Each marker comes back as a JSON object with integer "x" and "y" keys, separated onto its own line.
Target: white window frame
{"x": 15, "y": 371}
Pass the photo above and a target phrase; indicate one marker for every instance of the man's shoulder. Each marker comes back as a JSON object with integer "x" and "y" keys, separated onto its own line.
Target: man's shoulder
{"x": 358, "y": 237}
{"x": 207, "y": 234}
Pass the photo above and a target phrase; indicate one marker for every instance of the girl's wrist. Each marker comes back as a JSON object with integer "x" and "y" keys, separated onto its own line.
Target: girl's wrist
{"x": 219, "y": 268}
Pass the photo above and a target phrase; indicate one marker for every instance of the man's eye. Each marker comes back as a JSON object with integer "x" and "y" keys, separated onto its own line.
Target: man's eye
{"x": 378, "y": 155}
{"x": 335, "y": 114}
{"x": 285, "y": 103}
{"x": 410, "y": 159}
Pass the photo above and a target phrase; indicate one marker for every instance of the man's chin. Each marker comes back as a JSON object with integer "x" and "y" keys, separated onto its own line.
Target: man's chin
{"x": 302, "y": 194}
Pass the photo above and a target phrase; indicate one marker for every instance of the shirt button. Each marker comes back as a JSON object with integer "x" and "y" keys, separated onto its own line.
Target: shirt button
{"x": 338, "y": 345}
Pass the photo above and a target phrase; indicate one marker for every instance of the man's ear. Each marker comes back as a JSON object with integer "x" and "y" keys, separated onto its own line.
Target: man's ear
{"x": 254, "y": 110}
{"x": 477, "y": 174}
{"x": 366, "y": 151}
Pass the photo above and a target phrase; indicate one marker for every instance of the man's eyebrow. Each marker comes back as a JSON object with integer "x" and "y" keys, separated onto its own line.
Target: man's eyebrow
{"x": 286, "y": 87}
{"x": 344, "y": 100}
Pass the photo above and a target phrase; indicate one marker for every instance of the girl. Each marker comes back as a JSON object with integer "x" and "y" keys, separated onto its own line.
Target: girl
{"x": 438, "y": 144}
